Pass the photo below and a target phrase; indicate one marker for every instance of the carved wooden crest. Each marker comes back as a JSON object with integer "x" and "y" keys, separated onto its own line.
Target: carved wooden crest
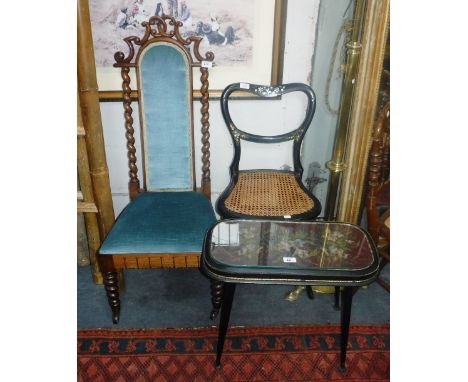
{"x": 156, "y": 28}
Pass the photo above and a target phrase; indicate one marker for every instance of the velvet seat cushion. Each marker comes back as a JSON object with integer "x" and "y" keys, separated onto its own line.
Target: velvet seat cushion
{"x": 161, "y": 222}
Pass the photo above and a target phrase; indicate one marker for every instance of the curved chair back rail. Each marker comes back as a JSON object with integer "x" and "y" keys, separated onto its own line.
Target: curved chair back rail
{"x": 262, "y": 91}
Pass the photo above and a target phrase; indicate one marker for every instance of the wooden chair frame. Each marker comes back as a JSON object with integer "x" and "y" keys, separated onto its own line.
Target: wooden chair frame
{"x": 157, "y": 30}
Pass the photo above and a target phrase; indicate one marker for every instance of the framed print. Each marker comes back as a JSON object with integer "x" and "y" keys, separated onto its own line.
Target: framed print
{"x": 246, "y": 37}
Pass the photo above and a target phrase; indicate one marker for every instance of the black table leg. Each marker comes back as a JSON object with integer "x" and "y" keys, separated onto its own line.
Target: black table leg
{"x": 337, "y": 298}
{"x": 216, "y": 297}
{"x": 226, "y": 305}
{"x": 346, "y": 301}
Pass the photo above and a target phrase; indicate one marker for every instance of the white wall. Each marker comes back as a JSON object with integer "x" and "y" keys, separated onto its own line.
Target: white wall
{"x": 263, "y": 117}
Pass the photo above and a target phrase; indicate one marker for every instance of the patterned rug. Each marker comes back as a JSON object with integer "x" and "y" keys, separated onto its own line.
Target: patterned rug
{"x": 272, "y": 353}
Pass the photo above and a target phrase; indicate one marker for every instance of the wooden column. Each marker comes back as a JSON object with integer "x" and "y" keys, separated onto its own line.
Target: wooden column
{"x": 91, "y": 113}
{"x": 90, "y": 215}
{"x": 364, "y": 106}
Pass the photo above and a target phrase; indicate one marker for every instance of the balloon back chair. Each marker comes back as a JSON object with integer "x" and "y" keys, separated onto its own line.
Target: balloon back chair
{"x": 164, "y": 224}
{"x": 265, "y": 193}
{"x": 378, "y": 189}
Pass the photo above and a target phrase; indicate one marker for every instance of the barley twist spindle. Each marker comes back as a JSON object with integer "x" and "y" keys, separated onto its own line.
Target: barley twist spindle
{"x": 206, "y": 179}
{"x": 134, "y": 184}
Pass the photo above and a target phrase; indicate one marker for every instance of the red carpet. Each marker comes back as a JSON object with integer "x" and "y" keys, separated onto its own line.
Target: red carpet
{"x": 274, "y": 353}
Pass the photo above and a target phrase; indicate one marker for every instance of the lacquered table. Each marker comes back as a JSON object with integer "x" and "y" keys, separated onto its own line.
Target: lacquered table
{"x": 294, "y": 253}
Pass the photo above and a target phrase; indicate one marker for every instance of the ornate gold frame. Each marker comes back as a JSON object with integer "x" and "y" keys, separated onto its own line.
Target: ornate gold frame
{"x": 276, "y": 67}
{"x": 364, "y": 109}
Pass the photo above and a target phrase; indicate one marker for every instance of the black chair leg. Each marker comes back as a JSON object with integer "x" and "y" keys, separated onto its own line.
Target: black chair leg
{"x": 111, "y": 284}
{"x": 216, "y": 297}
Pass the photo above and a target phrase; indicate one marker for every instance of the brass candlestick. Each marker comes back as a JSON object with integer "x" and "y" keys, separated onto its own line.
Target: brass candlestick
{"x": 353, "y": 54}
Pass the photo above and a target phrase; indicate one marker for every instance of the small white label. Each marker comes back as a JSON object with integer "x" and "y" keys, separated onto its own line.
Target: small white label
{"x": 206, "y": 64}
{"x": 289, "y": 259}
{"x": 243, "y": 85}
{"x": 287, "y": 216}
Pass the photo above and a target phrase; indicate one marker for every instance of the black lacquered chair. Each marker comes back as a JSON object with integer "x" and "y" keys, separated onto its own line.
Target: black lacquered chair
{"x": 265, "y": 193}
{"x": 164, "y": 224}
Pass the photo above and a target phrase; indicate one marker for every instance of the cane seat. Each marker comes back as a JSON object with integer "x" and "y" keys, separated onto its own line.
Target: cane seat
{"x": 268, "y": 193}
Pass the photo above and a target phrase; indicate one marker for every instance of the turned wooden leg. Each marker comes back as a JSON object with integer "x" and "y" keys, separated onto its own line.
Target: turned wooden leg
{"x": 216, "y": 297}
{"x": 111, "y": 284}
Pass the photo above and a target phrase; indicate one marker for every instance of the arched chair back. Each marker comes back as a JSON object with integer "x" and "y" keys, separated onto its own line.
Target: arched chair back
{"x": 165, "y": 97}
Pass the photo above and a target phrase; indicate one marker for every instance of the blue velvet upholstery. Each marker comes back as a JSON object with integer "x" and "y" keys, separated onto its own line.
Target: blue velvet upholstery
{"x": 161, "y": 222}
{"x": 166, "y": 89}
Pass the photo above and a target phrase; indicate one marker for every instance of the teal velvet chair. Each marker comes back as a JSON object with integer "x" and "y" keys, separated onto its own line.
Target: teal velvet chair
{"x": 164, "y": 224}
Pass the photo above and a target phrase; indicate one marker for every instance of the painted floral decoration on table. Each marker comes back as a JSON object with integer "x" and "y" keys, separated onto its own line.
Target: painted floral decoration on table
{"x": 316, "y": 245}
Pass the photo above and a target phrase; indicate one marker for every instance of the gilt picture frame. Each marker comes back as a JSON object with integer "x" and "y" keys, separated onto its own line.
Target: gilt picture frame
{"x": 247, "y": 39}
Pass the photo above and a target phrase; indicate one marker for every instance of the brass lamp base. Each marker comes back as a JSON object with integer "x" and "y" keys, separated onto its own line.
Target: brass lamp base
{"x": 293, "y": 295}
{"x": 324, "y": 289}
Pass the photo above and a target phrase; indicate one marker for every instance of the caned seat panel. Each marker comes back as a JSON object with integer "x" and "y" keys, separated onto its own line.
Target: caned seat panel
{"x": 268, "y": 193}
